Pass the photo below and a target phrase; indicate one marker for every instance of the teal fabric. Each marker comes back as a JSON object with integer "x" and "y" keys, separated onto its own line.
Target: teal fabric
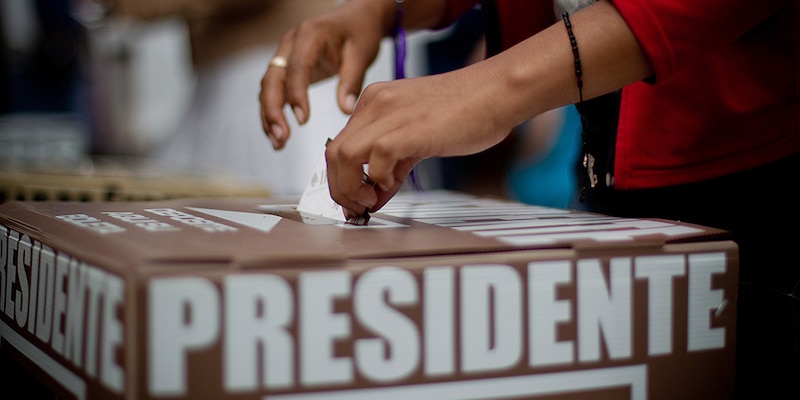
{"x": 550, "y": 180}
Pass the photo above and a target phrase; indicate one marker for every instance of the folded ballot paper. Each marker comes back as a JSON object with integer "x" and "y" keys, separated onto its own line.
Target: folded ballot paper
{"x": 316, "y": 199}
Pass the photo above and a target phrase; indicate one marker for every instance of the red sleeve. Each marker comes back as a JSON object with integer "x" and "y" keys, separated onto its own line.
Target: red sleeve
{"x": 675, "y": 33}
{"x": 521, "y": 19}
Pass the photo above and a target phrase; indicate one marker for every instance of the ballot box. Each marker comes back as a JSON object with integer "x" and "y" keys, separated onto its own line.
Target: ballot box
{"x": 441, "y": 296}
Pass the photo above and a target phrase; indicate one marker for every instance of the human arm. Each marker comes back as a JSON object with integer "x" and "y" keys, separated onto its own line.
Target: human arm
{"x": 396, "y": 124}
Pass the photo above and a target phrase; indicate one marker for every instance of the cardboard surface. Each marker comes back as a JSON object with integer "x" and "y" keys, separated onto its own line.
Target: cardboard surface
{"x": 442, "y": 296}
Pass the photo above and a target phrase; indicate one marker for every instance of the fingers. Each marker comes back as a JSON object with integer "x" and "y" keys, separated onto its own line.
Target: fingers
{"x": 272, "y": 99}
{"x": 351, "y": 78}
{"x": 401, "y": 172}
{"x": 346, "y": 180}
{"x": 273, "y": 96}
{"x": 305, "y": 55}
{"x": 351, "y": 187}
{"x": 316, "y": 49}
{"x": 287, "y": 81}
{"x": 384, "y": 156}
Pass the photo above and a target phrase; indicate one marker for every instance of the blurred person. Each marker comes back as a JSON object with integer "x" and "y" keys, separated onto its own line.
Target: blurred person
{"x": 231, "y": 41}
{"x": 691, "y": 112}
{"x": 542, "y": 167}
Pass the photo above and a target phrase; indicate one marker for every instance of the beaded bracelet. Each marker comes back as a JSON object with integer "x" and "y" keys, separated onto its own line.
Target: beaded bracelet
{"x": 588, "y": 159}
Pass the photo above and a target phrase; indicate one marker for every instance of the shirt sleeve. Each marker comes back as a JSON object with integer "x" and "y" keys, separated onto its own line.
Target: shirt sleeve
{"x": 675, "y": 33}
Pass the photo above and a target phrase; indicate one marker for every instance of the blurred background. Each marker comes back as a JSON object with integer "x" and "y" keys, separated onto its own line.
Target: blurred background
{"x": 109, "y": 100}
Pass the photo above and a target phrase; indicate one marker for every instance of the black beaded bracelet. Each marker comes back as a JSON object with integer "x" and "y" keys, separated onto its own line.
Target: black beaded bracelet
{"x": 575, "y": 54}
{"x": 588, "y": 159}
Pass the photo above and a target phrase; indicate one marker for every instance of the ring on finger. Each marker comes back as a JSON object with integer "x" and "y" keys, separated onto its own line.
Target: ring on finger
{"x": 278, "y": 62}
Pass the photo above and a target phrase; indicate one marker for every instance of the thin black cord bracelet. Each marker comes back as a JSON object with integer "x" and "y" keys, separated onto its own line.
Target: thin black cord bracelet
{"x": 575, "y": 54}
{"x": 588, "y": 159}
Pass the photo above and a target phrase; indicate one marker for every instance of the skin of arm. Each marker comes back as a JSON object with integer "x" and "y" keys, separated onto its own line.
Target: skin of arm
{"x": 396, "y": 124}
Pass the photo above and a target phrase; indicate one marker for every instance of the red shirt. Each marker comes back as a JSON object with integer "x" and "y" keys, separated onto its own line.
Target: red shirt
{"x": 726, "y": 93}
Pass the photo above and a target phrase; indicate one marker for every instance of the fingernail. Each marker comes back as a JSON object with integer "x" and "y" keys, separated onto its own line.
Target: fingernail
{"x": 350, "y": 102}
{"x": 274, "y": 142}
{"x": 277, "y": 131}
{"x": 300, "y": 115}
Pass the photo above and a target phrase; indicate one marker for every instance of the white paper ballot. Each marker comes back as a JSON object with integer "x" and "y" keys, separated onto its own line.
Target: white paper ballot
{"x": 316, "y": 197}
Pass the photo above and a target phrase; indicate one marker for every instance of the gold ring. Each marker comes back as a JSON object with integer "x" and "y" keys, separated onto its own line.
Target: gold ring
{"x": 278, "y": 61}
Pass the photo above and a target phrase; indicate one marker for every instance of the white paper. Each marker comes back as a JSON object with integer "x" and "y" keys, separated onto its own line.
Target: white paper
{"x": 316, "y": 197}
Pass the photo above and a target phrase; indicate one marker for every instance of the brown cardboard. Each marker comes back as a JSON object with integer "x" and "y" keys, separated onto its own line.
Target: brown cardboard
{"x": 443, "y": 296}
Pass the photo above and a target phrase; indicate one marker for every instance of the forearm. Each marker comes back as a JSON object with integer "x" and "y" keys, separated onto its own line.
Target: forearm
{"x": 539, "y": 73}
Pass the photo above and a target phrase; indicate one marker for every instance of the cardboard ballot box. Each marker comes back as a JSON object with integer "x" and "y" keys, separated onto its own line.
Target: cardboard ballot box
{"x": 441, "y": 296}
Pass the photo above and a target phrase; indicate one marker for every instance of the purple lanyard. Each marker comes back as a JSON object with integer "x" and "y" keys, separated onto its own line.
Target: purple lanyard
{"x": 399, "y": 43}
{"x": 399, "y": 69}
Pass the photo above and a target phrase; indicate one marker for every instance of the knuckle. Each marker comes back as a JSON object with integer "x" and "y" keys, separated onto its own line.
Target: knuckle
{"x": 307, "y": 27}
{"x": 379, "y": 92}
{"x": 383, "y": 148}
{"x": 347, "y": 154}
{"x": 272, "y": 114}
{"x": 330, "y": 154}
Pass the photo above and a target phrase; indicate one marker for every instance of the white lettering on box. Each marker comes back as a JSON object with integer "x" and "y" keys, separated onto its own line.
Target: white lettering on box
{"x": 546, "y": 312}
{"x": 56, "y": 298}
{"x": 204, "y": 224}
{"x": 491, "y": 317}
{"x": 398, "y": 334}
{"x": 141, "y": 221}
{"x": 702, "y": 299}
{"x": 91, "y": 223}
{"x": 44, "y": 312}
{"x": 112, "y": 375}
{"x": 95, "y": 282}
{"x": 184, "y": 316}
{"x": 439, "y": 320}
{"x": 24, "y": 257}
{"x": 60, "y": 302}
{"x": 604, "y": 307}
{"x": 660, "y": 272}
{"x": 356, "y": 327}
{"x": 37, "y": 249}
{"x": 320, "y": 327}
{"x": 258, "y": 311}
{"x": 11, "y": 272}
{"x": 73, "y": 336}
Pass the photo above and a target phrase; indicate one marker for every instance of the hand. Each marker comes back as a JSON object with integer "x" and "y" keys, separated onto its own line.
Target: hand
{"x": 345, "y": 41}
{"x": 396, "y": 124}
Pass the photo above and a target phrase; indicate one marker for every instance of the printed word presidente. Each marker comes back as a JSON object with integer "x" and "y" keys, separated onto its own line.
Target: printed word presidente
{"x": 277, "y": 334}
{"x": 64, "y": 304}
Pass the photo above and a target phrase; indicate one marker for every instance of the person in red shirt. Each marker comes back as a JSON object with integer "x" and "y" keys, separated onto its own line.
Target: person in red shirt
{"x": 691, "y": 112}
